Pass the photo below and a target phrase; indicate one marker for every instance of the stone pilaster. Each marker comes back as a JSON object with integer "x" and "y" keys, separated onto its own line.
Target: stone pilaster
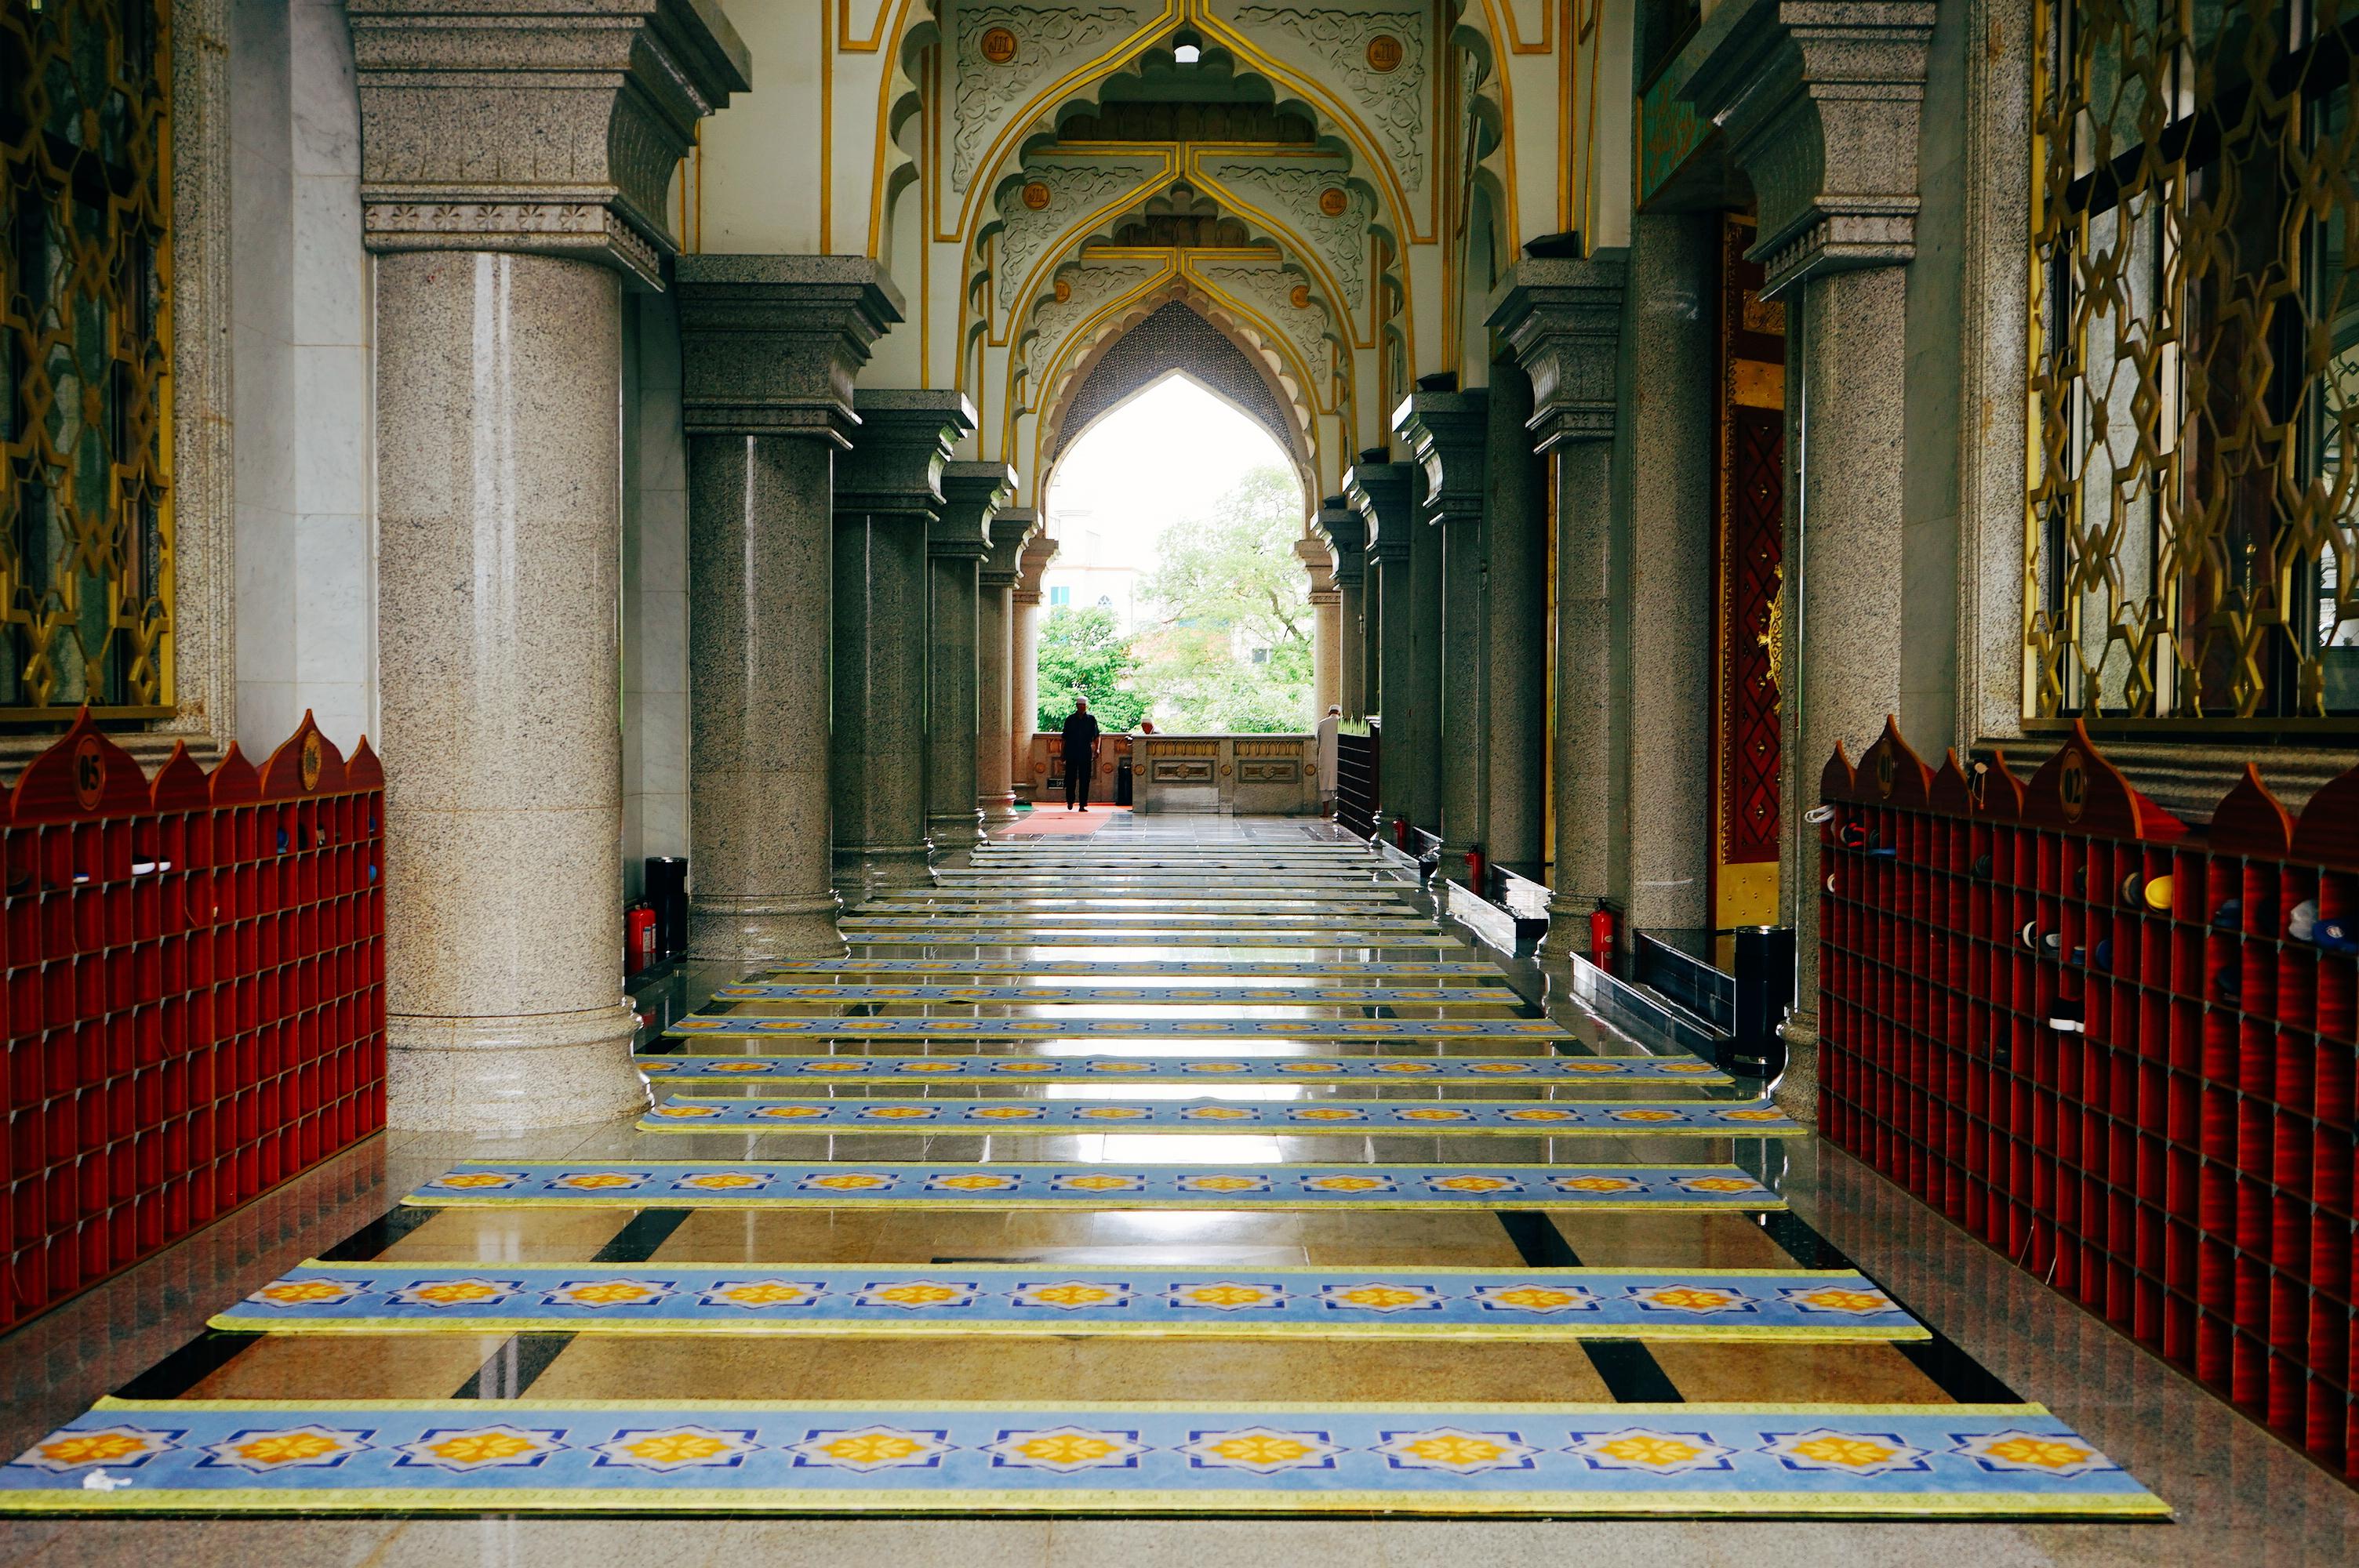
{"x": 956, "y": 547}
{"x": 887, "y": 494}
{"x": 995, "y": 673}
{"x": 1024, "y": 657}
{"x": 1820, "y": 105}
{"x": 769, "y": 349}
{"x": 1564, "y": 318}
{"x": 1347, "y": 536}
{"x": 513, "y": 161}
{"x": 1385, "y": 495}
{"x": 1448, "y": 435}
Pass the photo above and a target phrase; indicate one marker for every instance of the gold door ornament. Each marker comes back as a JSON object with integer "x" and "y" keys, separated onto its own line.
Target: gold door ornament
{"x": 2192, "y": 532}
{"x": 85, "y": 357}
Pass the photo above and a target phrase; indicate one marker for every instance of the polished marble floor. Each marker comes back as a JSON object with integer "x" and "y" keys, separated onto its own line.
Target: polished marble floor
{"x": 2240, "y": 1495}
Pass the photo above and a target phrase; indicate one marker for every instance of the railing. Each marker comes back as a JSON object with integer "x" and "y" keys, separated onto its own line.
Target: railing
{"x": 1355, "y": 782}
{"x": 194, "y": 994}
{"x": 2119, "y": 1050}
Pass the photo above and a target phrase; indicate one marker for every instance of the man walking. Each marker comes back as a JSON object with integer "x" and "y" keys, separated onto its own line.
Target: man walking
{"x": 1081, "y": 748}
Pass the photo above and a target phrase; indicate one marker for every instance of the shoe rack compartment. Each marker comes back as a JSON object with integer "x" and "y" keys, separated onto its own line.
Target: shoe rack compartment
{"x": 2090, "y": 1035}
{"x": 192, "y": 989}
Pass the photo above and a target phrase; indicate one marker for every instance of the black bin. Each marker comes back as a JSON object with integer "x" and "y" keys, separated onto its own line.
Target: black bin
{"x": 666, "y": 892}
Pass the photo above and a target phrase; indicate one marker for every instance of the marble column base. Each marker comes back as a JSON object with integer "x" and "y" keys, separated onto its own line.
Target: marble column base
{"x": 1797, "y": 1092}
{"x": 955, "y": 836}
{"x": 480, "y": 1075}
{"x": 1567, "y": 932}
{"x": 999, "y": 808}
{"x": 882, "y": 866}
{"x": 755, "y": 933}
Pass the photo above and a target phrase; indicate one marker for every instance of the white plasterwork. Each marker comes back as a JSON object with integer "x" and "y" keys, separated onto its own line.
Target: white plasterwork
{"x": 1094, "y": 284}
{"x": 1293, "y": 189}
{"x": 1049, "y": 41}
{"x": 1267, "y": 288}
{"x": 1076, "y": 192}
{"x": 1334, "y": 42}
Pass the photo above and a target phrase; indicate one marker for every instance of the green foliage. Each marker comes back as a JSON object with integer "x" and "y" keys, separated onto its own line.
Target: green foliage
{"x": 1081, "y": 652}
{"x": 1228, "y": 585}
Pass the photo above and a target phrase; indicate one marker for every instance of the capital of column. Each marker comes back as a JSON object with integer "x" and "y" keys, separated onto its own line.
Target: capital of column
{"x": 1346, "y": 534}
{"x": 1011, "y": 528}
{"x": 1562, "y": 317}
{"x": 1039, "y": 551}
{"x": 769, "y": 344}
{"x": 532, "y": 127}
{"x": 970, "y": 494}
{"x": 1821, "y": 103}
{"x": 1385, "y": 496}
{"x": 905, "y": 436}
{"x": 1315, "y": 559}
{"x": 1447, "y": 434}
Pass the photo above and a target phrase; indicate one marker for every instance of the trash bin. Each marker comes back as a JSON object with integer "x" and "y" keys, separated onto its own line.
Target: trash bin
{"x": 1121, "y": 781}
{"x": 666, "y": 894}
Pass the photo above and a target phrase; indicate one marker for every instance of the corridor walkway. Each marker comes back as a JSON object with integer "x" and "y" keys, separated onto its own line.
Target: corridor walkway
{"x": 1185, "y": 1167}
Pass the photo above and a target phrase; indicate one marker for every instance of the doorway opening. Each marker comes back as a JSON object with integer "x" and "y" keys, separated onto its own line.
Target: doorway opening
{"x": 1177, "y": 598}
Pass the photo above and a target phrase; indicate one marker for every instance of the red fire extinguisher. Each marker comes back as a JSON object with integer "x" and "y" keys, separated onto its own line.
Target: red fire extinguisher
{"x": 638, "y": 938}
{"x": 1400, "y": 833}
{"x": 1476, "y": 867}
{"x": 1603, "y": 944}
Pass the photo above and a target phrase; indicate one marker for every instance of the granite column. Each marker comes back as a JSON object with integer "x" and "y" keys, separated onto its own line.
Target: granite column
{"x": 1385, "y": 495}
{"x": 1346, "y": 536}
{"x": 1023, "y": 659}
{"x": 1562, "y": 317}
{"x": 995, "y": 688}
{"x": 1326, "y": 628}
{"x": 1514, "y": 641}
{"x": 887, "y": 494}
{"x": 769, "y": 349}
{"x": 1821, "y": 110}
{"x": 955, "y": 547}
{"x": 499, "y": 382}
{"x": 1447, "y": 434}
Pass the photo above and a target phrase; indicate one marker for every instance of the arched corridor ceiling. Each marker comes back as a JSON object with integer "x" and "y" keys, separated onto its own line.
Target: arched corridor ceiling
{"x": 1331, "y": 189}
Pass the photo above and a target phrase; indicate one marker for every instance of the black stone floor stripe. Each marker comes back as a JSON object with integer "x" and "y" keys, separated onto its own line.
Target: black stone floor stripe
{"x": 1630, "y": 1371}
{"x": 184, "y": 1368}
{"x": 1538, "y": 1238}
{"x": 1941, "y": 1358}
{"x": 1632, "y": 1374}
{"x": 371, "y": 1239}
{"x": 510, "y": 1369}
{"x": 636, "y": 1241}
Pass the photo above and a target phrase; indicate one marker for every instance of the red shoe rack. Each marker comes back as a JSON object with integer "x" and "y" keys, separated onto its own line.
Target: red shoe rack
{"x": 192, "y": 984}
{"x": 2181, "y": 1162}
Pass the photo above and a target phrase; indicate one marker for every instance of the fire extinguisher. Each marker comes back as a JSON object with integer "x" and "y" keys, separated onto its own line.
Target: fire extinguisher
{"x": 1476, "y": 867}
{"x": 1603, "y": 942}
{"x": 1400, "y": 833}
{"x": 638, "y": 938}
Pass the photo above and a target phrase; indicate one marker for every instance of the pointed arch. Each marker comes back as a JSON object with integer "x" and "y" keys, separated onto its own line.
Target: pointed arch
{"x": 1176, "y": 337}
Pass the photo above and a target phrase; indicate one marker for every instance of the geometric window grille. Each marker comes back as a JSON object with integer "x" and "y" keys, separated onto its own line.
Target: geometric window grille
{"x": 85, "y": 355}
{"x": 2192, "y": 538}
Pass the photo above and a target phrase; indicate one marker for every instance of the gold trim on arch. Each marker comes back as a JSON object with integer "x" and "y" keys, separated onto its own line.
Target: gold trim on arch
{"x": 1078, "y": 231}
{"x": 1276, "y": 336}
{"x": 1287, "y": 234}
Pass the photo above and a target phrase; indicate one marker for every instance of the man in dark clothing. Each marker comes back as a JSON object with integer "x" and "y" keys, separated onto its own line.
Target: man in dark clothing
{"x": 1081, "y": 754}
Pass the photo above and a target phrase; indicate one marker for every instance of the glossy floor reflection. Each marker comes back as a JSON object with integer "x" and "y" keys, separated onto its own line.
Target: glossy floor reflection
{"x": 2240, "y": 1494}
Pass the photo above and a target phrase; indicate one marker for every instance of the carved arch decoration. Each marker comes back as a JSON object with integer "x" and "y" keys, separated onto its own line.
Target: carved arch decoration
{"x": 1176, "y": 334}
{"x": 1122, "y": 33}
